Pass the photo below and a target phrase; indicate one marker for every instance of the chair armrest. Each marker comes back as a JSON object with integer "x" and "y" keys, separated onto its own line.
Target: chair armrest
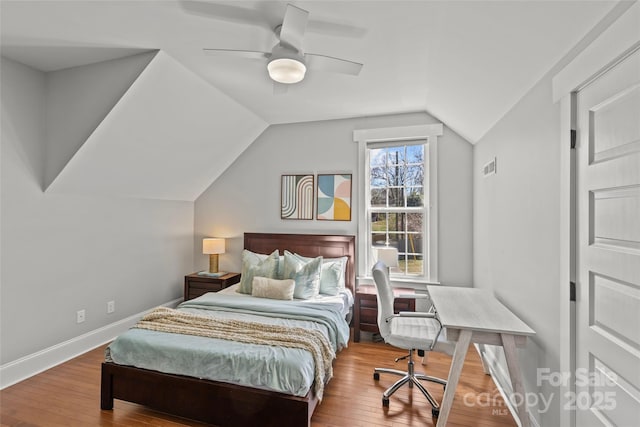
{"x": 413, "y": 296}
{"x": 417, "y": 314}
{"x": 421, "y": 314}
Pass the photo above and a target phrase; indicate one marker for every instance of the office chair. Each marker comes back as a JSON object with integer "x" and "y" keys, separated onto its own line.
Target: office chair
{"x": 410, "y": 331}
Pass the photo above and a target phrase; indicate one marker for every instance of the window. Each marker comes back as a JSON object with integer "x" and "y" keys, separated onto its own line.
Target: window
{"x": 398, "y": 199}
{"x": 396, "y": 204}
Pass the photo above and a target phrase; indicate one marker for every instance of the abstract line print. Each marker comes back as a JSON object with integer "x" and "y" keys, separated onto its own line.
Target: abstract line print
{"x": 296, "y": 197}
{"x": 334, "y": 197}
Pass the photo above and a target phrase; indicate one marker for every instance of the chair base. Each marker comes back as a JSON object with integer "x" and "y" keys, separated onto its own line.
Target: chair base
{"x": 410, "y": 378}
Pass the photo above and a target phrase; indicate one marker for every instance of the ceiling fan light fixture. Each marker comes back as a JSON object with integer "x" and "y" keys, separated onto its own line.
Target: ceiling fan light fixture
{"x": 286, "y": 70}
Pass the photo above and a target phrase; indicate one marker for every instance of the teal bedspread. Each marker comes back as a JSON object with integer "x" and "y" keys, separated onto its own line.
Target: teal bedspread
{"x": 286, "y": 370}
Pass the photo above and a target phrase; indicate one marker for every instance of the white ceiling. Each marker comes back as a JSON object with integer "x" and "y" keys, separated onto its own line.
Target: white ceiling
{"x": 465, "y": 62}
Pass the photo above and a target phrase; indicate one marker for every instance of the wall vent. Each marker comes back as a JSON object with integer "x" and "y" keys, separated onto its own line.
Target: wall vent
{"x": 489, "y": 168}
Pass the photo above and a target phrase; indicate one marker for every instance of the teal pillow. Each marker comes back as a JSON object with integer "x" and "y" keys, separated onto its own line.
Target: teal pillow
{"x": 260, "y": 257}
{"x": 306, "y": 274}
{"x": 257, "y": 265}
{"x": 280, "y": 272}
{"x": 332, "y": 275}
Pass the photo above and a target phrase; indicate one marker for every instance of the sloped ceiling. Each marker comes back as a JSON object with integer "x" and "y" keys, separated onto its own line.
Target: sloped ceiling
{"x": 167, "y": 129}
{"x": 78, "y": 99}
{"x": 168, "y": 137}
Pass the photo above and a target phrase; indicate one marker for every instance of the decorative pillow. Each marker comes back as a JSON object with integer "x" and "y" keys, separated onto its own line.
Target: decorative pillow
{"x": 332, "y": 275}
{"x": 305, "y": 273}
{"x": 257, "y": 265}
{"x": 263, "y": 287}
{"x": 280, "y": 272}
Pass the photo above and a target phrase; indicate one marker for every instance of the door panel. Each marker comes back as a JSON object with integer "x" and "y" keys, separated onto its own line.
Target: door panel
{"x": 608, "y": 248}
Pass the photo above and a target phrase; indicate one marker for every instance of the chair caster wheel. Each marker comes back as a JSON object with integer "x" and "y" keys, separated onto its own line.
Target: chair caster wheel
{"x": 435, "y": 412}
{"x": 376, "y": 376}
{"x": 385, "y": 402}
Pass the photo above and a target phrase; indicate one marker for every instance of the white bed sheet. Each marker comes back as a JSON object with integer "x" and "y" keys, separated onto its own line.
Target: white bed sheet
{"x": 343, "y": 301}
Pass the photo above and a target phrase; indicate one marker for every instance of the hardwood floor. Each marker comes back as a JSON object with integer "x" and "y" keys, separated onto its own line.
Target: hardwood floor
{"x": 69, "y": 395}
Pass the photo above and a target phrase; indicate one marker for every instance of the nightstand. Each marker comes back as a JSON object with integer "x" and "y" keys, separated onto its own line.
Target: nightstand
{"x": 365, "y": 316}
{"x": 196, "y": 285}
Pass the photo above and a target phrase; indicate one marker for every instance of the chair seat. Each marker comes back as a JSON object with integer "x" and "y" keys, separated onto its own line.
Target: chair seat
{"x": 411, "y": 332}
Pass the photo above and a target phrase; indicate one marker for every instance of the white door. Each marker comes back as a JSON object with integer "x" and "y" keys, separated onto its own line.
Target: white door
{"x": 608, "y": 249}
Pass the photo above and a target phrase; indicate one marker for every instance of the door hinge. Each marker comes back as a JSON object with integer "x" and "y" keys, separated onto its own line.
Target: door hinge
{"x": 573, "y": 138}
{"x": 572, "y": 291}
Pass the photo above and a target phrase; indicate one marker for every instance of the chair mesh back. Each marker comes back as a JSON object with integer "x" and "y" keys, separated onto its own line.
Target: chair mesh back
{"x": 384, "y": 296}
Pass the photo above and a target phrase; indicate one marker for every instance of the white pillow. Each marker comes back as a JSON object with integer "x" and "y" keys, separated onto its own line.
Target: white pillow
{"x": 264, "y": 287}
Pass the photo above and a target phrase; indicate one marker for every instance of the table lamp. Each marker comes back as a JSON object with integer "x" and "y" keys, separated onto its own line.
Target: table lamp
{"x": 388, "y": 255}
{"x": 213, "y": 247}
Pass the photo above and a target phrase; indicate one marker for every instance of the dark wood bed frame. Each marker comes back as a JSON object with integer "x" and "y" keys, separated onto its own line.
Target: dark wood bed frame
{"x": 224, "y": 404}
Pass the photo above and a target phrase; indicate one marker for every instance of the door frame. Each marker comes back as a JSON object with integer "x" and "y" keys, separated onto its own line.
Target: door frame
{"x": 612, "y": 40}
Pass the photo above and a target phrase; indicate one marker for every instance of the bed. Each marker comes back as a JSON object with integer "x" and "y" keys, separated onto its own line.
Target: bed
{"x": 224, "y": 403}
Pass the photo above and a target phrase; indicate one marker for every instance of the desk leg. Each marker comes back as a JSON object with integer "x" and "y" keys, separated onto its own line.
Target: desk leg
{"x": 509, "y": 345}
{"x": 459, "y": 354}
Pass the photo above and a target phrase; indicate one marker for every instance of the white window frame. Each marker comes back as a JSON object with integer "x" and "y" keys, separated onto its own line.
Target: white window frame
{"x": 369, "y": 138}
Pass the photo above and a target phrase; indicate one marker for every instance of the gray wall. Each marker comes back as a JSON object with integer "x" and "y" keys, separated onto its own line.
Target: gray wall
{"x": 63, "y": 253}
{"x": 516, "y": 227}
{"x": 247, "y": 196}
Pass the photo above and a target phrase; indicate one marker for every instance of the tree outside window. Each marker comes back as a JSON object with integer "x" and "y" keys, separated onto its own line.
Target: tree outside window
{"x": 396, "y": 203}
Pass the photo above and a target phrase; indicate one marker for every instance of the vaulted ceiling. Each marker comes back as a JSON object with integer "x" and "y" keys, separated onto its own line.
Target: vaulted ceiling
{"x": 175, "y": 112}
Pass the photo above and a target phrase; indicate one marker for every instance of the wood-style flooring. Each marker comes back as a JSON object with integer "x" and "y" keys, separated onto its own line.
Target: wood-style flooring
{"x": 69, "y": 395}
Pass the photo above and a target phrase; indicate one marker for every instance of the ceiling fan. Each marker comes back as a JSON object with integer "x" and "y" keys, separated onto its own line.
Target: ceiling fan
{"x": 287, "y": 62}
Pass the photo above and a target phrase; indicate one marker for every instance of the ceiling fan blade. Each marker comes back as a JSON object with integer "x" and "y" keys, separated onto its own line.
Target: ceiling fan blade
{"x": 334, "y": 65}
{"x": 266, "y": 16}
{"x": 293, "y": 27}
{"x": 247, "y": 54}
{"x": 225, "y": 12}
{"x": 335, "y": 28}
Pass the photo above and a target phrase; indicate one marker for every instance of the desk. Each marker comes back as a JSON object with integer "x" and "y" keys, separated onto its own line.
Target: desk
{"x": 475, "y": 315}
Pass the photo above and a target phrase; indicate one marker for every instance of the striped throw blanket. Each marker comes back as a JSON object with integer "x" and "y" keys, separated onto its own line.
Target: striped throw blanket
{"x": 165, "y": 319}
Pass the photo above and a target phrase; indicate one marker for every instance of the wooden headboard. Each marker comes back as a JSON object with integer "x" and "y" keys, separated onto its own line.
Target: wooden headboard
{"x": 309, "y": 245}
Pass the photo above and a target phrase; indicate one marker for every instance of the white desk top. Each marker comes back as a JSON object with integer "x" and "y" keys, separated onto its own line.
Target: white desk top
{"x": 475, "y": 309}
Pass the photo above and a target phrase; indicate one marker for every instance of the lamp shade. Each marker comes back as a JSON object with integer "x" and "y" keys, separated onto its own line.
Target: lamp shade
{"x": 212, "y": 246}
{"x": 388, "y": 255}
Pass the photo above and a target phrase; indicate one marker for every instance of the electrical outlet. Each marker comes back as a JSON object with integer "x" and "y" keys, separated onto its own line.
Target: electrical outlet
{"x": 111, "y": 307}
{"x": 80, "y": 315}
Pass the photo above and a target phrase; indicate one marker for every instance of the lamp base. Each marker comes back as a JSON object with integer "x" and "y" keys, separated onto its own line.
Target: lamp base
{"x": 213, "y": 263}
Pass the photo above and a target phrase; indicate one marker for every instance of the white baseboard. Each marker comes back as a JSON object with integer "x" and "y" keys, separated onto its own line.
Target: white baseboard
{"x": 32, "y": 364}
{"x": 501, "y": 379}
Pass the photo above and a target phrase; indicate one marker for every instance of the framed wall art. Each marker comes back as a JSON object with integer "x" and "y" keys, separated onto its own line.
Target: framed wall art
{"x": 296, "y": 197}
{"x": 334, "y": 197}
